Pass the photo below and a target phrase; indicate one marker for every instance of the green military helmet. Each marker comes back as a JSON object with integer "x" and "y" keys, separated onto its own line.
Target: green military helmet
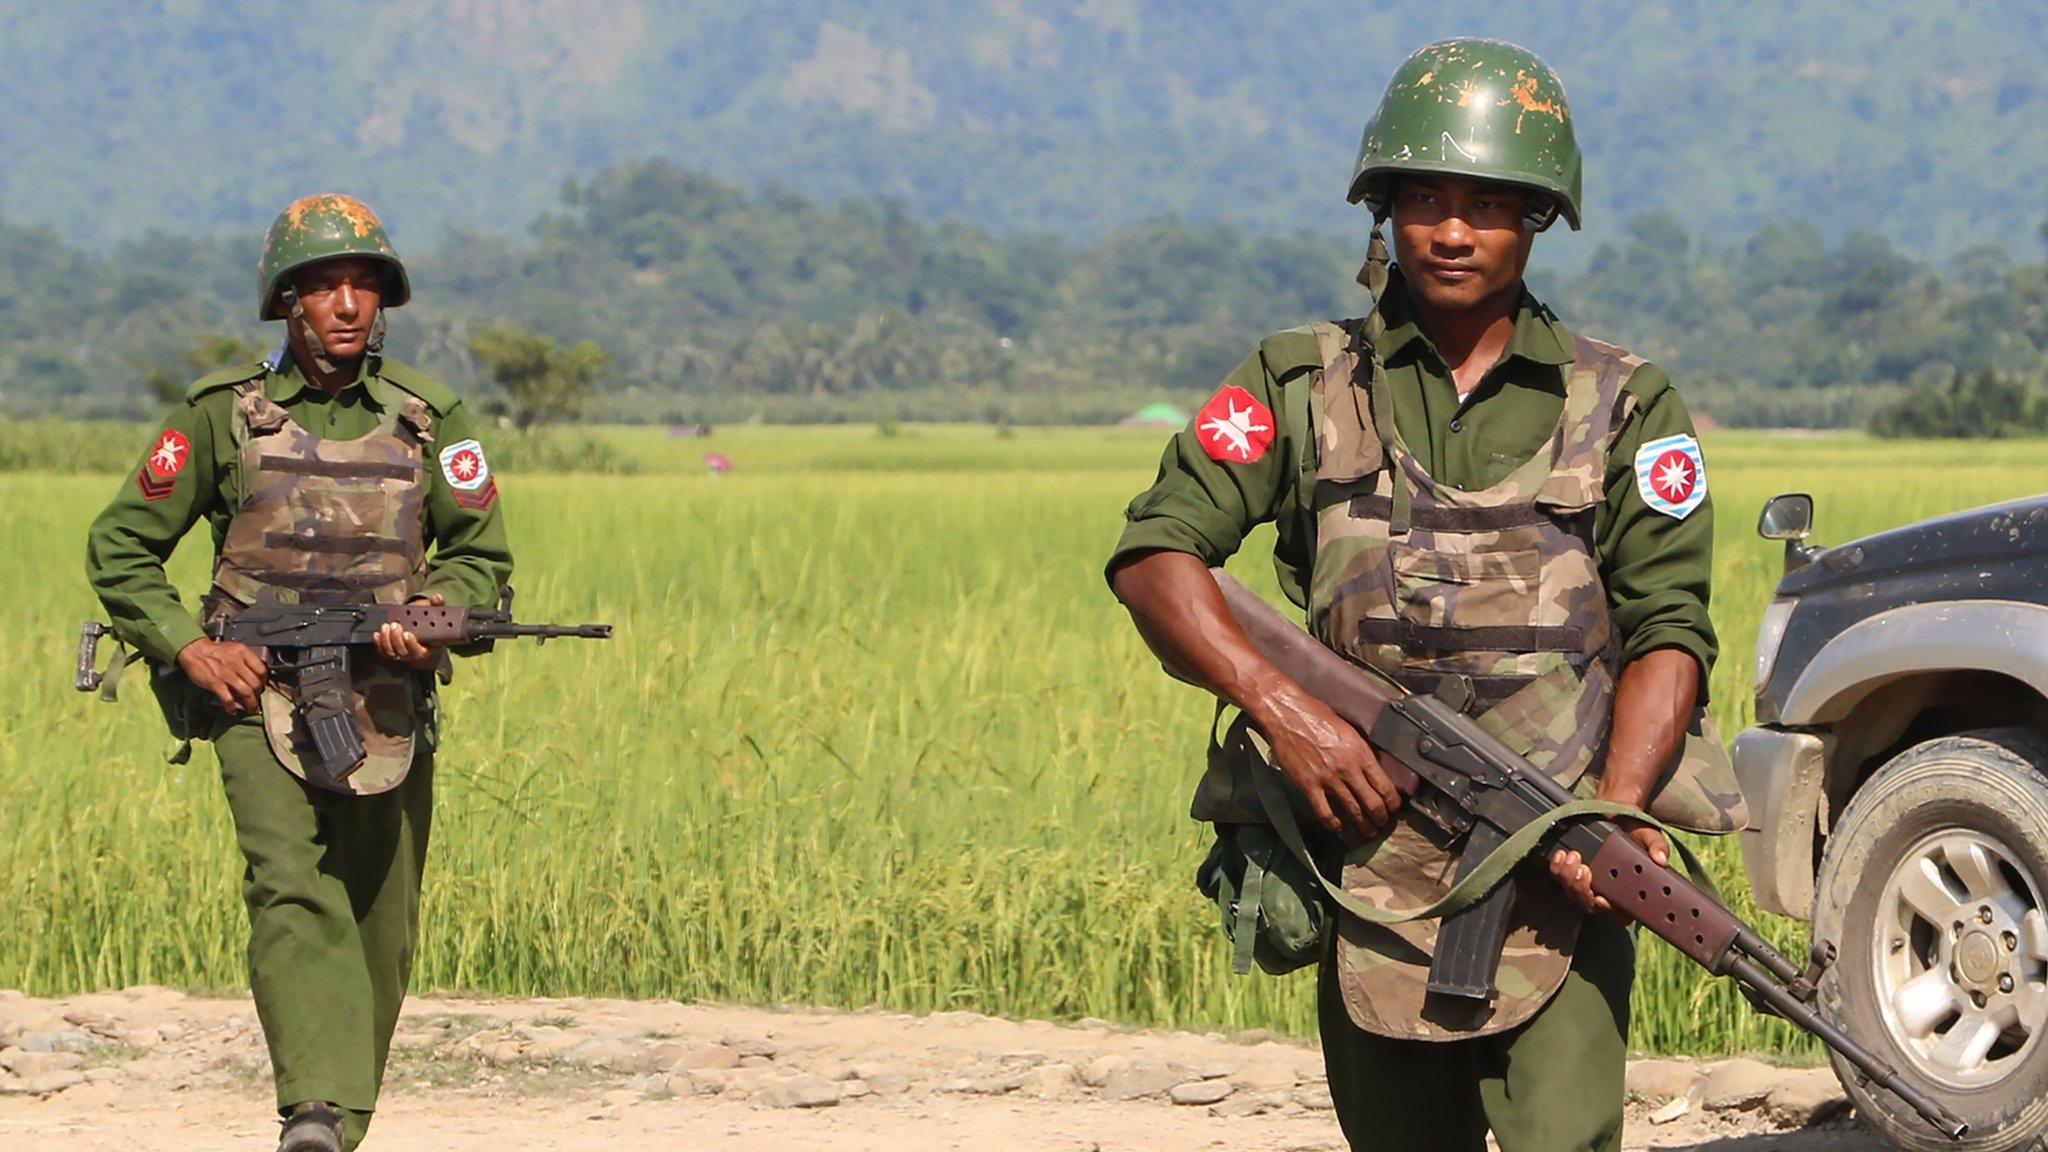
{"x": 1481, "y": 108}
{"x": 322, "y": 227}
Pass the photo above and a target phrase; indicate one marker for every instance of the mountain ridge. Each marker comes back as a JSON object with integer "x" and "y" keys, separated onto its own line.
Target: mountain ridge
{"x": 1073, "y": 116}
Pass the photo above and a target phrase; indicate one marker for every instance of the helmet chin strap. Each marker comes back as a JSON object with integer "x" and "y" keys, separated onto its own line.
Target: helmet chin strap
{"x": 1371, "y": 339}
{"x": 1373, "y": 274}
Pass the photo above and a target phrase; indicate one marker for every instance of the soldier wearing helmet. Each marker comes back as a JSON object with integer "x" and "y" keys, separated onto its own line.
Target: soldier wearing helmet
{"x": 1467, "y": 495}
{"x": 329, "y": 473}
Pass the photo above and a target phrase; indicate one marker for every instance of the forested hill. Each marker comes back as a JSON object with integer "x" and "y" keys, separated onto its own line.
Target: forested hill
{"x": 1917, "y": 120}
{"x": 723, "y": 304}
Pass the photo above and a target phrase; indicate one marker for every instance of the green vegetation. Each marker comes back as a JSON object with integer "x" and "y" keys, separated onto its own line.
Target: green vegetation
{"x": 1976, "y": 406}
{"x": 873, "y": 731}
{"x": 541, "y": 381}
{"x": 167, "y": 381}
{"x": 719, "y": 305}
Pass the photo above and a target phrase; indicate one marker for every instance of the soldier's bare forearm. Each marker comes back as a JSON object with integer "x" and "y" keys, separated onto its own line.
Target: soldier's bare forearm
{"x": 1652, "y": 706}
{"x": 1181, "y": 614}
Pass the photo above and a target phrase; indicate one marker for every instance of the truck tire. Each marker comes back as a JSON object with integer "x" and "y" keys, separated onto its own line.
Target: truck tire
{"x": 1933, "y": 887}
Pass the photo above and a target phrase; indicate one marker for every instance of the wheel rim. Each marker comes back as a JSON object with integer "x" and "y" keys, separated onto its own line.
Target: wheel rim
{"x": 1960, "y": 945}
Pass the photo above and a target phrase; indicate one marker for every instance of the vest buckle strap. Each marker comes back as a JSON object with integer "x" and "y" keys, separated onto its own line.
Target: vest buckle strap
{"x": 1438, "y": 640}
{"x": 1456, "y": 691}
{"x": 339, "y": 469}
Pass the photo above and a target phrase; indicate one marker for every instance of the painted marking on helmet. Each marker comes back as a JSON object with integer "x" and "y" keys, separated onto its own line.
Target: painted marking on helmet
{"x": 1524, "y": 93}
{"x": 1671, "y": 475}
{"x": 1234, "y": 427}
{"x": 1450, "y": 144}
{"x": 464, "y": 466}
{"x": 358, "y": 214}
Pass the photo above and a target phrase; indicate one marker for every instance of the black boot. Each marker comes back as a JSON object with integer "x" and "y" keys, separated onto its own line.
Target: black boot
{"x": 311, "y": 1127}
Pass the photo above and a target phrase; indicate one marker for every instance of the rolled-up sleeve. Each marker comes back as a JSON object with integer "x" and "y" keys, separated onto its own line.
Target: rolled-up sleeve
{"x": 1659, "y": 567}
{"x": 1202, "y": 505}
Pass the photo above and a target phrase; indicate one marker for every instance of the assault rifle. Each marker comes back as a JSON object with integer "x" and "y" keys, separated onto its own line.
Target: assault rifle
{"x": 1458, "y": 776}
{"x": 314, "y": 640}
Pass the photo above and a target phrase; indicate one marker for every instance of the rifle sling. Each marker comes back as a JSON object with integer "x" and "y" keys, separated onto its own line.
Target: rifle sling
{"x": 1474, "y": 886}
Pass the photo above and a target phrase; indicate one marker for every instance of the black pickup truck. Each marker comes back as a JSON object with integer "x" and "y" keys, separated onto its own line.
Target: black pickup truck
{"x": 1897, "y": 782}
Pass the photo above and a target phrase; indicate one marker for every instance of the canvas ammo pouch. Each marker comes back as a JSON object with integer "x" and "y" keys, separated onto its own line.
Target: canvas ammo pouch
{"x": 184, "y": 706}
{"x": 1274, "y": 910}
{"x": 187, "y": 712}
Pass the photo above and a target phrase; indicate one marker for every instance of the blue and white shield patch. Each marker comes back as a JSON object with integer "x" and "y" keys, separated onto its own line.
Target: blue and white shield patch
{"x": 1672, "y": 475}
{"x": 464, "y": 466}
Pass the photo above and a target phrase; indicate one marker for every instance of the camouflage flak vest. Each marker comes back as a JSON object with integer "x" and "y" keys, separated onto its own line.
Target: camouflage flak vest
{"x": 333, "y": 522}
{"x": 1500, "y": 589}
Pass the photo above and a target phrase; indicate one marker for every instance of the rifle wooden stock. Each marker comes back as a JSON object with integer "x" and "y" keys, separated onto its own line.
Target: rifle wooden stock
{"x": 1341, "y": 685}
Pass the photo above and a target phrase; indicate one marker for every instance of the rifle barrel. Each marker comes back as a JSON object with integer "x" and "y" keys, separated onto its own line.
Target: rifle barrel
{"x": 545, "y": 631}
{"x": 1746, "y": 972}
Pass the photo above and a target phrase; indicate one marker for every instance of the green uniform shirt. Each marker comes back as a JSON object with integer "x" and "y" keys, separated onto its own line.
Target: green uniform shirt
{"x": 129, "y": 542}
{"x": 1657, "y": 567}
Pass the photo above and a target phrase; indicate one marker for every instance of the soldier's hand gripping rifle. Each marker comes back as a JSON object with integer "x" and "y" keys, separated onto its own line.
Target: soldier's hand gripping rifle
{"x": 315, "y": 641}
{"x": 1460, "y": 777}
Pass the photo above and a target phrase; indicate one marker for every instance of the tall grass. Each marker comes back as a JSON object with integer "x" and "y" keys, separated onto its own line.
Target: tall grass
{"x": 872, "y": 731}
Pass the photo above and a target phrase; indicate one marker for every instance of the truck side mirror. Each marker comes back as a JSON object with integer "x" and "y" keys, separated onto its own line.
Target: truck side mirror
{"x": 1789, "y": 517}
{"x": 1786, "y": 517}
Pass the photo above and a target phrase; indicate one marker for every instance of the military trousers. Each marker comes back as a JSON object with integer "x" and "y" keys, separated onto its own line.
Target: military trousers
{"x": 332, "y": 886}
{"x": 1553, "y": 1084}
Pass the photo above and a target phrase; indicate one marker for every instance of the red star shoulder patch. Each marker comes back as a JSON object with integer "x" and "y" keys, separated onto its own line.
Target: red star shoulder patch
{"x": 158, "y": 476}
{"x": 1234, "y": 427}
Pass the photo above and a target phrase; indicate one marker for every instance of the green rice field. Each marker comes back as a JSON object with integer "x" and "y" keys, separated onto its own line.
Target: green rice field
{"x": 872, "y": 731}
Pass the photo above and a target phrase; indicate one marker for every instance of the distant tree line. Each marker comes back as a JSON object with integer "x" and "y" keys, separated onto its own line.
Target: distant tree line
{"x": 1982, "y": 405}
{"x": 657, "y": 294}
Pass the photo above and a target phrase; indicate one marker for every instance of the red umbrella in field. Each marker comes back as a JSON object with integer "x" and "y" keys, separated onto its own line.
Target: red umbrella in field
{"x": 717, "y": 462}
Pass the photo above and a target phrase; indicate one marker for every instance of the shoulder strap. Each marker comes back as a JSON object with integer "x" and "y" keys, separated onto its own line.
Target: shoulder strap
{"x": 1331, "y": 339}
{"x": 1612, "y": 367}
{"x": 1307, "y": 405}
{"x": 255, "y": 413}
{"x": 1347, "y": 438}
{"x": 1595, "y": 406}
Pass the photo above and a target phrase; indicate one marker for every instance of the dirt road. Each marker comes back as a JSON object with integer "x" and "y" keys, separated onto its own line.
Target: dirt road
{"x": 159, "y": 1070}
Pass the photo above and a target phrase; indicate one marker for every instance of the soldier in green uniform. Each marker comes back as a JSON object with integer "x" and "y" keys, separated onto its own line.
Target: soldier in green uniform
{"x": 330, "y": 473}
{"x": 1463, "y": 489}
